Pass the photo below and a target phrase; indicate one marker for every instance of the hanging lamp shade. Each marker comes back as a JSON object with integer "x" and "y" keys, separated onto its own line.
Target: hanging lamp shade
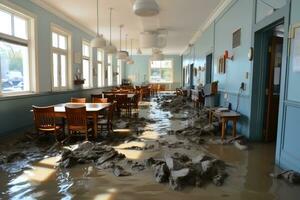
{"x": 157, "y": 55}
{"x": 145, "y": 8}
{"x": 139, "y": 51}
{"x": 98, "y": 41}
{"x": 130, "y": 61}
{"x": 122, "y": 55}
{"x": 110, "y": 49}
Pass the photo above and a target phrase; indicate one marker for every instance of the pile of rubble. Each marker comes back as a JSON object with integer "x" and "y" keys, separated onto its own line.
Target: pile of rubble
{"x": 174, "y": 104}
{"x": 88, "y": 152}
{"x": 180, "y": 171}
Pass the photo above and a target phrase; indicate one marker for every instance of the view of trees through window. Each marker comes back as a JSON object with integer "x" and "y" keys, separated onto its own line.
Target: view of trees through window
{"x": 161, "y": 71}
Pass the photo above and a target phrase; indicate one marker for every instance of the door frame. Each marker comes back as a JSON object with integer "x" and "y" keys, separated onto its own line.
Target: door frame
{"x": 209, "y": 73}
{"x": 260, "y": 44}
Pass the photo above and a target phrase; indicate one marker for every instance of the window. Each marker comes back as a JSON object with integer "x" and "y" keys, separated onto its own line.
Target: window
{"x": 109, "y": 70}
{"x": 119, "y": 71}
{"x": 60, "y": 58}
{"x": 161, "y": 71}
{"x": 16, "y": 52}
{"x": 86, "y": 65}
{"x": 100, "y": 68}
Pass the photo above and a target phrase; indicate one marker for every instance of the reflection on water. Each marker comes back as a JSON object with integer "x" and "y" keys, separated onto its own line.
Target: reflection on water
{"x": 249, "y": 171}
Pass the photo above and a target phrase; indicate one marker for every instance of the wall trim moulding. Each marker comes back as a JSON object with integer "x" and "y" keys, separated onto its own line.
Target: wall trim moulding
{"x": 64, "y": 17}
{"x": 216, "y": 12}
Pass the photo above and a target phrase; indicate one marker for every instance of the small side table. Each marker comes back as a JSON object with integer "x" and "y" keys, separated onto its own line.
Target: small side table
{"x": 224, "y": 118}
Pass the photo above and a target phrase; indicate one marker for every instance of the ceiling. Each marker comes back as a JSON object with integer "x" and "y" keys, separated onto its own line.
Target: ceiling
{"x": 182, "y": 19}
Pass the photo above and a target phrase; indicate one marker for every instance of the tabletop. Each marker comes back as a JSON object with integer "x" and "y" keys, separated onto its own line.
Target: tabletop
{"x": 90, "y": 107}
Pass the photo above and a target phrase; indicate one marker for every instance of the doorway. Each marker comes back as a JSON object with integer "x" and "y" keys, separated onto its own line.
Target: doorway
{"x": 266, "y": 79}
{"x": 274, "y": 65}
{"x": 208, "y": 68}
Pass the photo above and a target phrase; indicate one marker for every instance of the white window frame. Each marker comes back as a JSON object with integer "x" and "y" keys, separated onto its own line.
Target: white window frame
{"x": 67, "y": 52}
{"x": 100, "y": 69}
{"x": 172, "y": 74}
{"x": 110, "y": 75}
{"x": 119, "y": 71}
{"x": 31, "y": 44}
{"x": 89, "y": 58}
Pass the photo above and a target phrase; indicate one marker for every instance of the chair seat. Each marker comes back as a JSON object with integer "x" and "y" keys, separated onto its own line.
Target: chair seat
{"x": 50, "y": 129}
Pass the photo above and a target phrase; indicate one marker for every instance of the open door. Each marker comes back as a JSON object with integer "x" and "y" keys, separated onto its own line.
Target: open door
{"x": 208, "y": 72}
{"x": 273, "y": 88}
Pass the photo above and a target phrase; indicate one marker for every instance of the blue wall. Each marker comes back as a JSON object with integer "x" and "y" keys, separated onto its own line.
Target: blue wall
{"x": 216, "y": 39}
{"x": 139, "y": 71}
{"x": 14, "y": 111}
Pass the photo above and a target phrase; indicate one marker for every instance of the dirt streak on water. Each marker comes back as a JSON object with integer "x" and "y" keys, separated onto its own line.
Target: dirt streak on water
{"x": 248, "y": 175}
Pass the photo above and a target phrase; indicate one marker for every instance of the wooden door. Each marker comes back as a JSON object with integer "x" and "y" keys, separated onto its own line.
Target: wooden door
{"x": 273, "y": 88}
{"x": 208, "y": 68}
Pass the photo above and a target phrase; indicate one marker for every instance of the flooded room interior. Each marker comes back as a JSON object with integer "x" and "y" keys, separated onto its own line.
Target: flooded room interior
{"x": 149, "y": 99}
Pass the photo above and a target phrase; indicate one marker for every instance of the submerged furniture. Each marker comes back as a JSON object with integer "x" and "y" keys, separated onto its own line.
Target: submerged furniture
{"x": 45, "y": 120}
{"x": 106, "y": 124}
{"x": 99, "y": 100}
{"x": 92, "y": 110}
{"x": 78, "y": 100}
{"x": 224, "y": 117}
{"x": 77, "y": 121}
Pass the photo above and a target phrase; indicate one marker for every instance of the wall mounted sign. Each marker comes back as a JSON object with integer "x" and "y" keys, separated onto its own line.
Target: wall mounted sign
{"x": 222, "y": 65}
{"x": 236, "y": 38}
{"x": 296, "y": 48}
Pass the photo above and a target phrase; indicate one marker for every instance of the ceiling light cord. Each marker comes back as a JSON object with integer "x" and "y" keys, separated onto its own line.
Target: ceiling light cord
{"x": 131, "y": 48}
{"x": 110, "y": 26}
{"x": 97, "y": 17}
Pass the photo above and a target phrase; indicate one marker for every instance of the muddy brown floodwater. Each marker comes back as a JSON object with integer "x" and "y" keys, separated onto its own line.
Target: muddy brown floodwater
{"x": 40, "y": 178}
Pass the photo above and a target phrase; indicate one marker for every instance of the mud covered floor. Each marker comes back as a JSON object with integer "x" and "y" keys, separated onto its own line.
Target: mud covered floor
{"x": 33, "y": 171}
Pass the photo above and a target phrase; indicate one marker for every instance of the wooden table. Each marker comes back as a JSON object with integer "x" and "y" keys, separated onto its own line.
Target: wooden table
{"x": 224, "y": 117}
{"x": 92, "y": 109}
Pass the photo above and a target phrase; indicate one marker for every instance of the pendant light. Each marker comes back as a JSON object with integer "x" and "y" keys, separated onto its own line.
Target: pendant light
{"x": 145, "y": 8}
{"x": 130, "y": 61}
{"x": 121, "y": 55}
{"x": 157, "y": 55}
{"x": 110, "y": 49}
{"x": 98, "y": 41}
{"x": 139, "y": 51}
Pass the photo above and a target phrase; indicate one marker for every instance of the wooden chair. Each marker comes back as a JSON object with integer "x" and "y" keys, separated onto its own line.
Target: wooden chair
{"x": 110, "y": 97}
{"x": 99, "y": 100}
{"x": 123, "y": 103}
{"x": 78, "y": 100}
{"x": 106, "y": 124}
{"x": 45, "y": 121}
{"x": 95, "y": 96}
{"x": 77, "y": 121}
{"x": 135, "y": 101}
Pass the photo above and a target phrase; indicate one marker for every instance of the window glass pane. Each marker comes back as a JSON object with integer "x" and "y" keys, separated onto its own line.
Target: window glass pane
{"x": 109, "y": 75}
{"x": 14, "y": 67}
{"x": 62, "y": 42}
{"x": 100, "y": 75}
{"x": 55, "y": 70}
{"x": 20, "y": 27}
{"x": 86, "y": 72}
{"x": 86, "y": 50}
{"x": 99, "y": 55}
{"x": 63, "y": 70}
{"x": 55, "y": 40}
{"x": 5, "y": 19}
{"x": 161, "y": 71}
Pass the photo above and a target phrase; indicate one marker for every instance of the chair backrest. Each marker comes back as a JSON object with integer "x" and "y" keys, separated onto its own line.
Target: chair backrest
{"x": 110, "y": 97}
{"x": 76, "y": 118}
{"x": 121, "y": 99}
{"x": 99, "y": 100}
{"x": 78, "y": 100}
{"x": 44, "y": 117}
{"x": 95, "y": 96}
{"x": 110, "y": 112}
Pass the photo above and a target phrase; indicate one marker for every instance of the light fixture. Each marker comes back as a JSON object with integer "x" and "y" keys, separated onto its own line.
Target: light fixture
{"x": 121, "y": 55}
{"x": 98, "y": 41}
{"x": 157, "y": 55}
{"x": 130, "y": 61}
{"x": 139, "y": 51}
{"x": 145, "y": 8}
{"x": 110, "y": 49}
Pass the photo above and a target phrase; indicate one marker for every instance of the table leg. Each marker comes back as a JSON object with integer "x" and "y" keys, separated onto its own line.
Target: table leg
{"x": 95, "y": 120}
{"x": 223, "y": 128}
{"x": 234, "y": 128}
